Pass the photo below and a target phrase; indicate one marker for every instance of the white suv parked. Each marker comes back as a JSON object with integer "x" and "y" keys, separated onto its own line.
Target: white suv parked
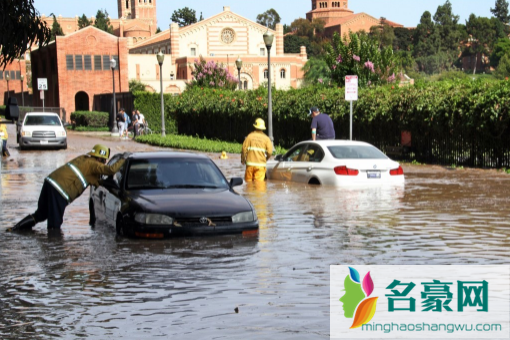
{"x": 42, "y": 130}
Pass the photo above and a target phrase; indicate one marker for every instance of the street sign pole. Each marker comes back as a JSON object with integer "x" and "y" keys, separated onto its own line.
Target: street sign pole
{"x": 42, "y": 85}
{"x": 42, "y": 98}
{"x": 351, "y": 94}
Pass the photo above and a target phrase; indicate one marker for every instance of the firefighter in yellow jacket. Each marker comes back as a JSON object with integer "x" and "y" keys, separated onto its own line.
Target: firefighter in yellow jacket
{"x": 3, "y": 140}
{"x": 257, "y": 149}
{"x": 66, "y": 184}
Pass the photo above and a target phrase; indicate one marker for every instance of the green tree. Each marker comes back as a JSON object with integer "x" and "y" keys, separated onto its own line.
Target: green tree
{"x": 403, "y": 38}
{"x": 269, "y": 18}
{"x": 83, "y": 22}
{"x": 483, "y": 36}
{"x": 103, "y": 21}
{"x": 503, "y": 70}
{"x": 136, "y": 86}
{"x": 501, "y": 48}
{"x": 302, "y": 27}
{"x": 500, "y": 11}
{"x": 359, "y": 54}
{"x": 383, "y": 33}
{"x": 184, "y": 16}
{"x": 316, "y": 71}
{"x": 446, "y": 24}
{"x": 158, "y": 30}
{"x": 201, "y": 17}
{"x": 292, "y": 44}
{"x": 425, "y": 37}
{"x": 20, "y": 27}
{"x": 56, "y": 29}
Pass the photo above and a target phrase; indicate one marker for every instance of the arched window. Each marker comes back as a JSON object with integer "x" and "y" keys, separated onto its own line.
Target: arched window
{"x": 127, "y": 3}
{"x": 246, "y": 85}
{"x": 265, "y": 74}
{"x": 282, "y": 73}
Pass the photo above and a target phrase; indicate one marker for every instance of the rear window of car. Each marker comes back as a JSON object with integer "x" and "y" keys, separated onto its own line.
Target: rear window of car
{"x": 356, "y": 152}
{"x": 42, "y": 120}
{"x": 166, "y": 173}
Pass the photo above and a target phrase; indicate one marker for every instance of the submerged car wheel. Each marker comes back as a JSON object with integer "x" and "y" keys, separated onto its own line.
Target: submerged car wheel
{"x": 314, "y": 181}
{"x": 121, "y": 228}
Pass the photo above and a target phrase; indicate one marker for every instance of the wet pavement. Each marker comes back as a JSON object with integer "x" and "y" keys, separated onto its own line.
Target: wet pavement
{"x": 90, "y": 283}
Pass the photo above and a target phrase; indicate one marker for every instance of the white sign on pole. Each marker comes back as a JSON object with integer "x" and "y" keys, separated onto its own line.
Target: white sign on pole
{"x": 42, "y": 84}
{"x": 42, "y": 94}
{"x": 351, "y": 88}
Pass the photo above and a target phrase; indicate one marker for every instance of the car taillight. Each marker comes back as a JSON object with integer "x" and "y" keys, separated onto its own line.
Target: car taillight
{"x": 397, "y": 172}
{"x": 345, "y": 171}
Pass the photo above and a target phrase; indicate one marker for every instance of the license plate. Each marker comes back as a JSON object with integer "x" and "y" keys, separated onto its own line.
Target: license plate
{"x": 44, "y": 142}
{"x": 373, "y": 174}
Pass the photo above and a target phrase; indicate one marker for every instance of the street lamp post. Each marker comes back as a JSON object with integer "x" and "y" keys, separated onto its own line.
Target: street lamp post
{"x": 7, "y": 77}
{"x": 113, "y": 64}
{"x": 239, "y": 64}
{"x": 22, "y": 96}
{"x": 268, "y": 40}
{"x": 160, "y": 56}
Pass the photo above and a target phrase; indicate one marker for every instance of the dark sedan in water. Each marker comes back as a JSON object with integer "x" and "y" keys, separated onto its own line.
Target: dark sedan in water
{"x": 161, "y": 194}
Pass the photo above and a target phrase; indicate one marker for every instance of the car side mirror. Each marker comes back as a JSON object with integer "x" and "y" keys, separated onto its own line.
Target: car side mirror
{"x": 278, "y": 158}
{"x": 236, "y": 181}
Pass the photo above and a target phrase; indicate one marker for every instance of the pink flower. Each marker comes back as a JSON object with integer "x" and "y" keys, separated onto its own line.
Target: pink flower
{"x": 339, "y": 59}
{"x": 211, "y": 83}
{"x": 391, "y": 78}
{"x": 355, "y": 57}
{"x": 370, "y": 66}
{"x": 334, "y": 67}
{"x": 320, "y": 80}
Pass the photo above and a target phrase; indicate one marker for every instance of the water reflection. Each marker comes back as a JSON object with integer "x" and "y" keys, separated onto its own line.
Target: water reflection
{"x": 91, "y": 283}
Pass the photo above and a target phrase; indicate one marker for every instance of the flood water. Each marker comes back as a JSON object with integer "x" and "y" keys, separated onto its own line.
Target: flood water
{"x": 90, "y": 283}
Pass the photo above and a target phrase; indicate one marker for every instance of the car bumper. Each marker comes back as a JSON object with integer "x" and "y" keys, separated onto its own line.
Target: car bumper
{"x": 43, "y": 142}
{"x": 151, "y": 231}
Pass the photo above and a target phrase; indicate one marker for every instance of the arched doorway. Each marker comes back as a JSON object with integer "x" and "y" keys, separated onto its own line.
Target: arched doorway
{"x": 81, "y": 101}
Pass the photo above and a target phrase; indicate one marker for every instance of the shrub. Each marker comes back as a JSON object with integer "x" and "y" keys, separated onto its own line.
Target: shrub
{"x": 90, "y": 118}
{"x": 211, "y": 74}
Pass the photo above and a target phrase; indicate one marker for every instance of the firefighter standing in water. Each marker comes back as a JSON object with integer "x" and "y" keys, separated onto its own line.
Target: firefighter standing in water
{"x": 66, "y": 184}
{"x": 257, "y": 149}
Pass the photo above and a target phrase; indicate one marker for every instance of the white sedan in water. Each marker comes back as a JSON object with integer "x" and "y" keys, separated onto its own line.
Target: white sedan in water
{"x": 335, "y": 162}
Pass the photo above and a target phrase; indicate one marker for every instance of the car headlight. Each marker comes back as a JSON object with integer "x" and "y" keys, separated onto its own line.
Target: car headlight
{"x": 243, "y": 217}
{"x": 26, "y": 133}
{"x": 153, "y": 219}
{"x": 61, "y": 133}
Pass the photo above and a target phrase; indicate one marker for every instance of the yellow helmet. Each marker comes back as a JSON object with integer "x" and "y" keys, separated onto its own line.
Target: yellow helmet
{"x": 223, "y": 155}
{"x": 259, "y": 124}
{"x": 100, "y": 151}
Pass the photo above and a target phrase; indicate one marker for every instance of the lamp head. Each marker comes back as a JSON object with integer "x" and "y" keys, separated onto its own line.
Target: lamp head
{"x": 239, "y": 63}
{"x": 7, "y": 77}
{"x": 160, "y": 57}
{"x": 22, "y": 77}
{"x": 113, "y": 63}
{"x": 268, "y": 38}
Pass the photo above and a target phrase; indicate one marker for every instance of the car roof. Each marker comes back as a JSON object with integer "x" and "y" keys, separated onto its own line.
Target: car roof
{"x": 335, "y": 142}
{"x": 41, "y": 114}
{"x": 166, "y": 154}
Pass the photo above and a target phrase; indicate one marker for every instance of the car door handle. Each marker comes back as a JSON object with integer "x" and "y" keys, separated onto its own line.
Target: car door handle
{"x": 310, "y": 168}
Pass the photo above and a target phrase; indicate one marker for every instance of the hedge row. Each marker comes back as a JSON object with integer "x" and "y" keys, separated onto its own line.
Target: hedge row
{"x": 477, "y": 108}
{"x": 93, "y": 119}
{"x": 150, "y": 105}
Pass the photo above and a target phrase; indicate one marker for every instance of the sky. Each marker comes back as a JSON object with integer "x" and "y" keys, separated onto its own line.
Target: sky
{"x": 405, "y": 12}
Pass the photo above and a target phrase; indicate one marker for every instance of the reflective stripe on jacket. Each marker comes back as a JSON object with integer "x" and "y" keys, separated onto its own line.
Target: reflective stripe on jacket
{"x": 72, "y": 179}
{"x": 257, "y": 148}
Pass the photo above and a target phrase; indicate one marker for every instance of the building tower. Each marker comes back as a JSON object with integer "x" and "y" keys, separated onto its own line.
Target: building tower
{"x": 144, "y": 10}
{"x": 329, "y": 10}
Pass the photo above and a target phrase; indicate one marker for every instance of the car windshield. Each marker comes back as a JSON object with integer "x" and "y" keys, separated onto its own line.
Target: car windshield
{"x": 42, "y": 120}
{"x": 356, "y": 152}
{"x": 174, "y": 173}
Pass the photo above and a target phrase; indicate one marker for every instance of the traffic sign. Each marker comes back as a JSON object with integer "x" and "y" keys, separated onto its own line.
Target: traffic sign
{"x": 351, "y": 88}
{"x": 42, "y": 84}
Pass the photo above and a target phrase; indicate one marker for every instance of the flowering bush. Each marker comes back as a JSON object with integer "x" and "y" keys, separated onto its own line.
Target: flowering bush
{"x": 359, "y": 55}
{"x": 211, "y": 74}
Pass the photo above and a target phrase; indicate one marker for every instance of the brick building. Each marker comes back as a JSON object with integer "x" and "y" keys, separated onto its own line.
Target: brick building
{"x": 77, "y": 67}
{"x": 221, "y": 38}
{"x": 16, "y": 71}
{"x": 339, "y": 18}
